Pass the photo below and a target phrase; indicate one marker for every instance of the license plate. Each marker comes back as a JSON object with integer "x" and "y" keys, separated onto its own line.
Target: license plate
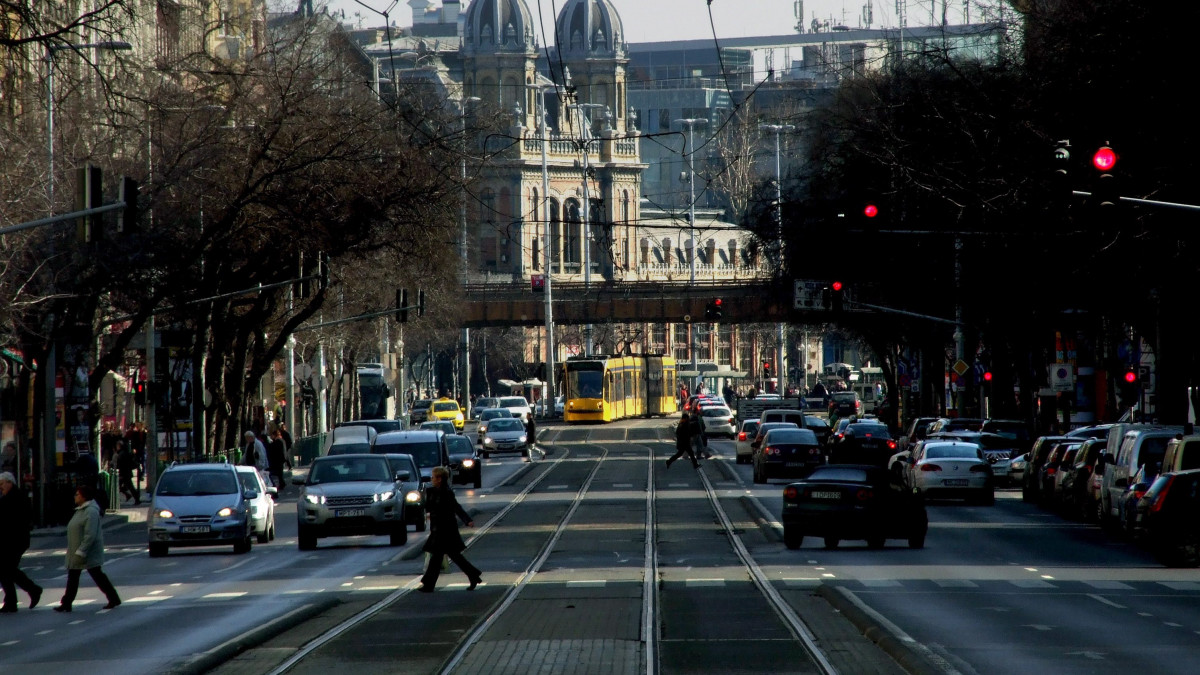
{"x": 955, "y": 482}
{"x": 826, "y": 495}
{"x": 349, "y": 513}
{"x": 194, "y": 529}
{"x": 794, "y": 465}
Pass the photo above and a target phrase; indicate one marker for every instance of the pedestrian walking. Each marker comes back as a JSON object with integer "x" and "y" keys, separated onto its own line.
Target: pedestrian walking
{"x": 683, "y": 442}
{"x": 530, "y": 438}
{"x": 126, "y": 461}
{"x": 287, "y": 445}
{"x": 276, "y": 453}
{"x": 699, "y": 433}
{"x": 254, "y": 453}
{"x": 85, "y": 550}
{"x": 15, "y": 523}
{"x": 444, "y": 539}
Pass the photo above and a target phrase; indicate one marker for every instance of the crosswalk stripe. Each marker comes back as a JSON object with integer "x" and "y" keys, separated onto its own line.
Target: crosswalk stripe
{"x": 1181, "y": 585}
{"x": 691, "y": 583}
{"x": 587, "y": 583}
{"x": 222, "y": 596}
{"x": 955, "y": 583}
{"x": 1031, "y": 583}
{"x": 879, "y": 583}
{"x": 1106, "y": 585}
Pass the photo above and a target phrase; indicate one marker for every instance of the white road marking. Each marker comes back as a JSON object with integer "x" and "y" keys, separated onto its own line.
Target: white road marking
{"x": 176, "y": 584}
{"x": 955, "y": 583}
{"x": 304, "y": 590}
{"x": 44, "y": 632}
{"x": 348, "y": 583}
{"x": 1030, "y": 583}
{"x": 587, "y": 583}
{"x": 158, "y": 592}
{"x": 556, "y": 487}
{"x": 1172, "y": 624}
{"x": 682, "y": 485}
{"x": 76, "y": 622}
{"x": 218, "y": 596}
{"x": 622, "y": 485}
{"x": 150, "y": 598}
{"x": 1106, "y": 585}
{"x": 802, "y": 582}
{"x": 1038, "y": 626}
{"x": 234, "y": 566}
{"x": 379, "y": 588}
{"x": 1144, "y": 614}
{"x": 691, "y": 583}
{"x": 1181, "y": 585}
{"x": 1110, "y": 603}
{"x": 9, "y": 643}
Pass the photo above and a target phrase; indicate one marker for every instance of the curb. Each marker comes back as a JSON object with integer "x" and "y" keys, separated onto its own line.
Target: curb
{"x": 226, "y": 651}
{"x": 913, "y": 657}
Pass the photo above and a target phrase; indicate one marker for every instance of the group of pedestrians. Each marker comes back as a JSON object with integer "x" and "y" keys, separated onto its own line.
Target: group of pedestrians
{"x": 85, "y": 547}
{"x": 270, "y": 458}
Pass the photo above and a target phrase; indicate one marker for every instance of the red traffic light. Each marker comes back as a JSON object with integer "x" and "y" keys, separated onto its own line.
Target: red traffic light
{"x": 871, "y": 211}
{"x": 717, "y": 302}
{"x": 837, "y": 285}
{"x": 767, "y": 365}
{"x": 987, "y": 376}
{"x": 1131, "y": 377}
{"x": 1104, "y": 159}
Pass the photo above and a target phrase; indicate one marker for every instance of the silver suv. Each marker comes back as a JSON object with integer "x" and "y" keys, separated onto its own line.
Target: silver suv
{"x": 349, "y": 495}
{"x": 200, "y": 505}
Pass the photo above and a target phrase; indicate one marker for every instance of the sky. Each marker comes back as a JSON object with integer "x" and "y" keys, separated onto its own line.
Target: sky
{"x": 659, "y": 20}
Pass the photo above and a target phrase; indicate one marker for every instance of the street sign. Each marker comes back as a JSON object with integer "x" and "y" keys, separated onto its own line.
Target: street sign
{"x": 807, "y": 294}
{"x": 1062, "y": 377}
{"x": 960, "y": 367}
{"x": 916, "y": 387}
{"x": 537, "y": 282}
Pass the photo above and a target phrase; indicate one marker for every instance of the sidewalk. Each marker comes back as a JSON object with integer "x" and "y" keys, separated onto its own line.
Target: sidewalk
{"x": 112, "y": 518}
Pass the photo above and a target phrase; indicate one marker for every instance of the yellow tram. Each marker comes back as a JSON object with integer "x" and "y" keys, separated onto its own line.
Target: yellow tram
{"x": 607, "y": 388}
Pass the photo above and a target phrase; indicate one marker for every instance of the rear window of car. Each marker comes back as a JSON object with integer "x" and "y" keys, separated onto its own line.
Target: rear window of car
{"x": 1154, "y": 449}
{"x": 841, "y": 474}
{"x": 768, "y": 426}
{"x": 872, "y": 430}
{"x": 448, "y": 406}
{"x": 422, "y": 403}
{"x": 348, "y": 469}
{"x": 459, "y": 445}
{"x": 716, "y": 412}
{"x": 196, "y": 483}
{"x": 792, "y": 437}
{"x": 514, "y": 402}
{"x": 952, "y": 452}
{"x": 751, "y": 426}
{"x": 844, "y": 396}
{"x": 815, "y": 423}
{"x": 349, "y": 448}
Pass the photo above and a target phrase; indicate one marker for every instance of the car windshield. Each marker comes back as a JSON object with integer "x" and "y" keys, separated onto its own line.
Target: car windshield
{"x": 349, "y": 448}
{"x": 459, "y": 445}
{"x": 197, "y": 483}
{"x": 448, "y": 406}
{"x": 514, "y": 402}
{"x": 348, "y": 469}
{"x": 506, "y": 424}
{"x": 716, "y": 412}
{"x": 249, "y": 480}
{"x": 1016, "y": 431}
{"x": 841, "y": 474}
{"x": 398, "y": 463}
{"x": 952, "y": 452}
{"x": 494, "y": 413}
{"x": 427, "y": 453}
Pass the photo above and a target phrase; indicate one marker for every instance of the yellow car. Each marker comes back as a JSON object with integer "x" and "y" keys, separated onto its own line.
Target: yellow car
{"x": 448, "y": 410}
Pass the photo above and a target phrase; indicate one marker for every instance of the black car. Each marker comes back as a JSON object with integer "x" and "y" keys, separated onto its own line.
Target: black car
{"x": 465, "y": 465}
{"x": 1034, "y": 460}
{"x": 820, "y": 427}
{"x": 419, "y": 412}
{"x": 408, "y": 481}
{"x": 787, "y": 453}
{"x": 847, "y": 501}
{"x": 1076, "y": 500}
{"x": 843, "y": 403}
{"x": 863, "y": 443}
{"x": 1168, "y": 517}
{"x": 918, "y": 431}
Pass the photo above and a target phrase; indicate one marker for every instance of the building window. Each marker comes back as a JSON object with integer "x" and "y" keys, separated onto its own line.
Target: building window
{"x": 537, "y": 254}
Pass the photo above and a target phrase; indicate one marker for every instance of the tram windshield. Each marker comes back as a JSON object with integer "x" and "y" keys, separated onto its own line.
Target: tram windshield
{"x": 585, "y": 383}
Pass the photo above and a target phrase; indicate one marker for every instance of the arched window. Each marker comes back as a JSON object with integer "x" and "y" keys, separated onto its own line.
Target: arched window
{"x": 573, "y": 235}
{"x": 555, "y": 234}
{"x": 487, "y": 206}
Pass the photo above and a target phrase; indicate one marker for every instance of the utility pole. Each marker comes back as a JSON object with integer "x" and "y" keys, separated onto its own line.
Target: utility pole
{"x": 691, "y": 123}
{"x": 543, "y": 132}
{"x": 585, "y": 139}
{"x": 465, "y": 365}
{"x": 781, "y": 330}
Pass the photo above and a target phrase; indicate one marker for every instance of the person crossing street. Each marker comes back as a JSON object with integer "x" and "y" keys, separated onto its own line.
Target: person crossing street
{"x": 444, "y": 539}
{"x": 683, "y": 442}
{"x": 15, "y": 522}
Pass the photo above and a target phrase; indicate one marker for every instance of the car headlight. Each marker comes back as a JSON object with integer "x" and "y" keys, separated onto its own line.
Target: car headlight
{"x": 412, "y": 497}
{"x": 524, "y": 438}
{"x": 385, "y": 495}
{"x": 225, "y": 512}
{"x": 314, "y": 499}
{"x": 488, "y": 441}
{"x": 165, "y": 514}
{"x": 458, "y": 417}
{"x": 468, "y": 463}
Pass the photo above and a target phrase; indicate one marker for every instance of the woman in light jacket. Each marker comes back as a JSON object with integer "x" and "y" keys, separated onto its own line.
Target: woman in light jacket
{"x": 85, "y": 550}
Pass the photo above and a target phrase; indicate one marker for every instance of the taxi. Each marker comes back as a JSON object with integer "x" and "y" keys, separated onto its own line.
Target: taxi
{"x": 448, "y": 410}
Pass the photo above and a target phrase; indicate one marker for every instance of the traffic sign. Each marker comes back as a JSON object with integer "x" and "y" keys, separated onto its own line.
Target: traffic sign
{"x": 807, "y": 294}
{"x": 1062, "y": 377}
{"x": 960, "y": 367}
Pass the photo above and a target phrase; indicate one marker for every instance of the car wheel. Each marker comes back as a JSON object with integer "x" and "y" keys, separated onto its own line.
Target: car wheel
{"x": 478, "y": 480}
{"x": 792, "y": 537}
{"x": 917, "y": 541}
{"x": 306, "y": 540}
{"x": 421, "y": 523}
{"x": 243, "y": 546}
{"x": 399, "y": 537}
{"x": 876, "y": 542}
{"x": 265, "y": 536}
{"x": 158, "y": 550}
{"x": 832, "y": 542}
{"x": 272, "y": 537}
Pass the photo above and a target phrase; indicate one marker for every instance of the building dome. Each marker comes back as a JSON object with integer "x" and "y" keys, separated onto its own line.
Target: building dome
{"x": 590, "y": 28}
{"x": 499, "y": 26}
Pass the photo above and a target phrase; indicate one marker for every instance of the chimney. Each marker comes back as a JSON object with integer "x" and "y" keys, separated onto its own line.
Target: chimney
{"x": 450, "y": 11}
{"x": 710, "y": 252}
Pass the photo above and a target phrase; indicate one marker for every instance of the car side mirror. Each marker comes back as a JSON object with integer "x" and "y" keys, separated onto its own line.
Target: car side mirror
{"x": 402, "y": 476}
{"x": 273, "y": 491}
{"x": 250, "y": 494}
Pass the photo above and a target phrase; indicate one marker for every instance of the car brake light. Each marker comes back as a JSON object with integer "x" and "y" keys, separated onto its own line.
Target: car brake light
{"x": 1139, "y": 493}
{"x": 841, "y": 435}
{"x": 863, "y": 495}
{"x": 1162, "y": 496}
{"x": 891, "y": 445}
{"x": 1050, "y": 471}
{"x": 770, "y": 451}
{"x": 741, "y": 436}
{"x": 731, "y": 420}
{"x": 790, "y": 492}
{"x": 930, "y": 467}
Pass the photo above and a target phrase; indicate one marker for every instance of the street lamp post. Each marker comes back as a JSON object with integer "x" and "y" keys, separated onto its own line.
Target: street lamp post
{"x": 49, "y": 423}
{"x": 585, "y": 139}
{"x": 781, "y": 351}
{"x": 465, "y": 365}
{"x": 690, "y": 123}
{"x": 544, "y": 137}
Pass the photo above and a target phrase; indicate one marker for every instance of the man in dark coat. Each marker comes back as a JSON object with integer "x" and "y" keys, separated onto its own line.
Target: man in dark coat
{"x": 444, "y": 539}
{"x": 14, "y": 540}
{"x": 530, "y": 438}
{"x": 276, "y": 456}
{"x": 683, "y": 442}
{"x": 126, "y": 461}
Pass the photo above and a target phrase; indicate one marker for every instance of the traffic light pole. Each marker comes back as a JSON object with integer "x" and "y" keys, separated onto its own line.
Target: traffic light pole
{"x": 691, "y": 123}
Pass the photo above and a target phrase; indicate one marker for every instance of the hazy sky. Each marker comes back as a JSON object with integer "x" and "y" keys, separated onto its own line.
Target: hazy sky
{"x": 657, "y": 20}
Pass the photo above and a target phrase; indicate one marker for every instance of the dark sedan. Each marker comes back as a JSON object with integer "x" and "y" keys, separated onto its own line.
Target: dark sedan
{"x": 787, "y": 453}
{"x": 1169, "y": 518}
{"x": 837, "y": 502}
{"x": 863, "y": 443}
{"x": 465, "y": 464}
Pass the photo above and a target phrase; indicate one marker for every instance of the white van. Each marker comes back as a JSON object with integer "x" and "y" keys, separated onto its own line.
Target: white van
{"x": 1135, "y": 447}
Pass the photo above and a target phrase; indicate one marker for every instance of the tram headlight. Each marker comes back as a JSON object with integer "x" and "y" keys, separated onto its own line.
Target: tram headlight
{"x": 600, "y": 405}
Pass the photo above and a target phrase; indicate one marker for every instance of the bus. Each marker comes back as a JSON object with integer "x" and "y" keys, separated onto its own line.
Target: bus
{"x": 608, "y": 388}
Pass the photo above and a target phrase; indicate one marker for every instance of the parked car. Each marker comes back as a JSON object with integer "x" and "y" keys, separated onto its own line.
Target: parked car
{"x": 838, "y": 502}
{"x": 483, "y": 403}
{"x": 1076, "y": 496}
{"x": 485, "y": 417}
{"x": 262, "y": 506}
{"x": 1066, "y": 466}
{"x": 1168, "y": 517}
{"x": 543, "y": 410}
{"x": 950, "y": 469}
{"x": 200, "y": 505}
{"x": 865, "y": 442}
{"x": 1139, "y": 445}
{"x": 718, "y": 421}
{"x": 1096, "y": 431}
{"x": 419, "y": 412}
{"x": 843, "y": 403}
{"x": 1016, "y": 469}
{"x": 465, "y": 463}
{"x": 1183, "y": 454}
{"x": 1127, "y": 508}
{"x": 917, "y": 431}
{"x": 505, "y": 434}
{"x": 407, "y": 476}
{"x": 1034, "y": 459}
{"x": 745, "y": 436}
{"x": 427, "y": 447}
{"x": 350, "y": 495}
{"x": 787, "y": 453}
{"x": 517, "y": 405}
{"x": 1049, "y": 475}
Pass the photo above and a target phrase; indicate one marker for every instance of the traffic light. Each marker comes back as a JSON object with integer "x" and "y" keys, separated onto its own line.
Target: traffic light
{"x": 1131, "y": 377}
{"x": 870, "y": 210}
{"x": 402, "y": 305}
{"x": 836, "y": 297}
{"x": 127, "y": 217}
{"x": 90, "y": 195}
{"x": 1061, "y": 190}
{"x": 713, "y": 310}
{"x": 1105, "y": 184}
{"x": 1127, "y": 389}
{"x": 139, "y": 392}
{"x": 766, "y": 369}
